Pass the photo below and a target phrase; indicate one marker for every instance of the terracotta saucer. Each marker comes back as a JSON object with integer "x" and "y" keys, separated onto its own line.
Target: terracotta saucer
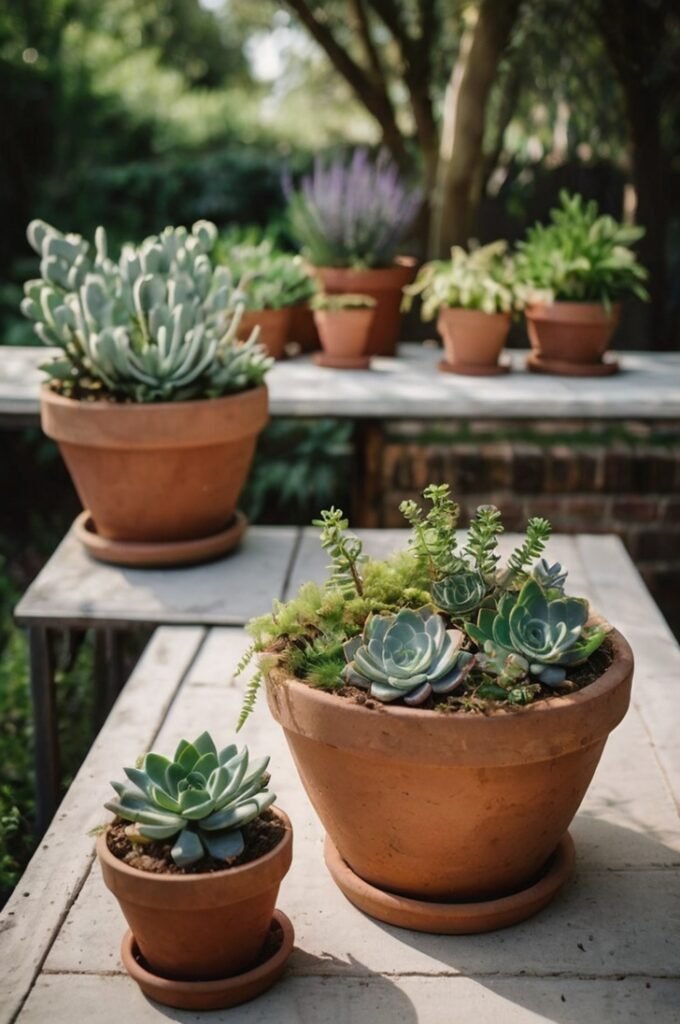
{"x": 566, "y": 369}
{"x": 473, "y": 369}
{"x": 213, "y": 995}
{"x": 453, "y": 918}
{"x": 148, "y": 555}
{"x": 342, "y": 362}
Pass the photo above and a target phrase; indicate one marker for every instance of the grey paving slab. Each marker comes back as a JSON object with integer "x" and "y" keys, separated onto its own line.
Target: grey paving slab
{"x": 410, "y": 386}
{"x": 75, "y": 589}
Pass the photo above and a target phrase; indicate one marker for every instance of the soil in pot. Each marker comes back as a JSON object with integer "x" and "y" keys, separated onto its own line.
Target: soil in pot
{"x": 571, "y": 337}
{"x": 344, "y": 335}
{"x": 382, "y": 284}
{"x": 473, "y": 341}
{"x": 274, "y": 327}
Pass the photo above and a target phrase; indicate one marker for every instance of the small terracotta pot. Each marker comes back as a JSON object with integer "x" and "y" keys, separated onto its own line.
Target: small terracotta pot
{"x": 384, "y": 285}
{"x": 344, "y": 333}
{"x": 274, "y": 327}
{"x": 303, "y": 328}
{"x": 571, "y": 332}
{"x": 157, "y": 472}
{"x": 456, "y": 807}
{"x": 202, "y": 926}
{"x": 473, "y": 340}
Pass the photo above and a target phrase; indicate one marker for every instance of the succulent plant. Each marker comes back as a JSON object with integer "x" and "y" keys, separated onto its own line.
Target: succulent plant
{"x": 267, "y": 278}
{"x": 409, "y": 655}
{"x": 341, "y": 302}
{"x": 546, "y": 628}
{"x": 461, "y": 593}
{"x": 551, "y": 577}
{"x": 158, "y": 324}
{"x": 201, "y": 798}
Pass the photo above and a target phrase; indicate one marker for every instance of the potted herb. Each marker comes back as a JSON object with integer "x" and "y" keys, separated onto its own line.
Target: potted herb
{"x": 446, "y": 714}
{"x": 272, "y": 284}
{"x": 344, "y": 323}
{"x": 585, "y": 260}
{"x": 155, "y": 405}
{"x": 473, "y": 296}
{"x": 195, "y": 858}
{"x": 349, "y": 220}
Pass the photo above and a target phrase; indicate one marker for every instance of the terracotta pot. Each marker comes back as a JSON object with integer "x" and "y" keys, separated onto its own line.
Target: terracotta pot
{"x": 303, "y": 328}
{"x": 472, "y": 338}
{"x": 384, "y": 285}
{"x": 449, "y": 807}
{"x": 203, "y": 926}
{"x": 344, "y": 332}
{"x": 157, "y": 472}
{"x": 274, "y": 327}
{"x": 571, "y": 332}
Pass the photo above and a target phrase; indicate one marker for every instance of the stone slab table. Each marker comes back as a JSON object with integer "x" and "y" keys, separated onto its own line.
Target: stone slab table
{"x": 605, "y": 952}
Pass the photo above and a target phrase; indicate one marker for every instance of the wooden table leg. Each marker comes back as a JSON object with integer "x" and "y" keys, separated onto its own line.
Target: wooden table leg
{"x": 367, "y": 484}
{"x": 108, "y": 672}
{"x": 45, "y": 738}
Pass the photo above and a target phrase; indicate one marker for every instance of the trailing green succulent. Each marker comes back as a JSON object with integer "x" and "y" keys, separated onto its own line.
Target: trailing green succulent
{"x": 158, "y": 324}
{"x": 341, "y": 302}
{"x": 484, "y": 279}
{"x": 201, "y": 798}
{"x": 410, "y": 655}
{"x": 445, "y": 622}
{"x": 267, "y": 277}
{"x": 582, "y": 256}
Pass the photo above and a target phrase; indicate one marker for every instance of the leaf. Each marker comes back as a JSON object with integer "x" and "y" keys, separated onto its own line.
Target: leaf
{"x": 225, "y": 846}
{"x": 188, "y": 849}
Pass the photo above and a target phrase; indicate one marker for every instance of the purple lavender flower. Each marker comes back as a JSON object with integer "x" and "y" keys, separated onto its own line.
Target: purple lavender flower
{"x": 352, "y": 214}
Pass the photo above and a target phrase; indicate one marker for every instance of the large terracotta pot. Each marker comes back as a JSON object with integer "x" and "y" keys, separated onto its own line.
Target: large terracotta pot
{"x": 384, "y": 285}
{"x": 473, "y": 340}
{"x": 344, "y": 335}
{"x": 274, "y": 327}
{"x": 201, "y": 926}
{"x": 157, "y": 472}
{"x": 571, "y": 332}
{"x": 455, "y": 807}
{"x": 303, "y": 328}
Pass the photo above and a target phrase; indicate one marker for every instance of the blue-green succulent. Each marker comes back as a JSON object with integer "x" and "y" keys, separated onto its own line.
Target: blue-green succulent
{"x": 461, "y": 593}
{"x": 201, "y": 798}
{"x": 409, "y": 655}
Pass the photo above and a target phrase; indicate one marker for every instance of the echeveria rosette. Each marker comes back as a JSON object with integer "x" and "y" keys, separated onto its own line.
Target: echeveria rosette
{"x": 408, "y": 655}
{"x": 544, "y": 626}
{"x": 460, "y": 593}
{"x": 201, "y": 797}
{"x": 550, "y": 576}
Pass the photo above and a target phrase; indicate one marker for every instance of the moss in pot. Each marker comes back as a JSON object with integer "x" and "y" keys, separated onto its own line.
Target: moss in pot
{"x": 464, "y": 705}
{"x": 195, "y": 858}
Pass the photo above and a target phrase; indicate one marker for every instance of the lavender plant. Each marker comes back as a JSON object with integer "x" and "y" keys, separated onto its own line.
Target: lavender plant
{"x": 352, "y": 214}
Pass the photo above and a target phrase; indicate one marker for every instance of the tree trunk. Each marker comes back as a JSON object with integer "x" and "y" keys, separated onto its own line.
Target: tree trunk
{"x": 455, "y": 196}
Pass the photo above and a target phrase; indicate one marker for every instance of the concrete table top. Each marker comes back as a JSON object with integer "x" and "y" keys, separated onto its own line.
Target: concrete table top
{"x": 606, "y": 951}
{"x": 411, "y": 387}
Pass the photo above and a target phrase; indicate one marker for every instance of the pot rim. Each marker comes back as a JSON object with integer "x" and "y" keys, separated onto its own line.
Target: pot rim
{"x": 282, "y": 848}
{"x": 598, "y": 310}
{"x": 474, "y": 312}
{"x": 49, "y": 396}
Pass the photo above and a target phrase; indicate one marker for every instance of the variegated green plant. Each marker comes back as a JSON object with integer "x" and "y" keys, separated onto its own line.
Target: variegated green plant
{"x": 158, "y": 324}
{"x": 410, "y": 655}
{"x": 201, "y": 798}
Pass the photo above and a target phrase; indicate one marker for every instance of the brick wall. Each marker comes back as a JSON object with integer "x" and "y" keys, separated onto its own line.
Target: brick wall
{"x": 583, "y": 475}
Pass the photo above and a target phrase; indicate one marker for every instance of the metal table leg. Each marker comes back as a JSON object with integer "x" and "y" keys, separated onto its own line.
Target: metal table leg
{"x": 45, "y": 739}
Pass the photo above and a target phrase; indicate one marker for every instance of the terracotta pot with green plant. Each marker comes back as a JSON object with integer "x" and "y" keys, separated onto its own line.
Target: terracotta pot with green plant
{"x": 473, "y": 295}
{"x": 349, "y": 220}
{"x": 272, "y": 284}
{"x": 195, "y": 858}
{"x": 155, "y": 405}
{"x": 446, "y": 714}
{"x": 586, "y": 262}
{"x": 344, "y": 324}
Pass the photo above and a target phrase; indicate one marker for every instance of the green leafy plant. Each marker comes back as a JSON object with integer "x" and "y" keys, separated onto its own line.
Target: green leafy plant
{"x": 158, "y": 324}
{"x": 582, "y": 256}
{"x": 484, "y": 279}
{"x": 267, "y": 277}
{"x": 201, "y": 799}
{"x": 345, "y": 301}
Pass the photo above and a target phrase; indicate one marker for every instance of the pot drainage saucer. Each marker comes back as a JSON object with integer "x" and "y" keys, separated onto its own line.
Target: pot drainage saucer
{"x": 148, "y": 555}
{"x": 537, "y": 364}
{"x": 223, "y": 992}
{"x": 453, "y": 918}
{"x": 473, "y": 369}
{"x": 342, "y": 362}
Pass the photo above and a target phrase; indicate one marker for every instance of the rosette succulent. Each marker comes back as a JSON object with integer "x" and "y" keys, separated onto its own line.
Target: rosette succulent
{"x": 461, "y": 593}
{"x": 541, "y": 625}
{"x": 409, "y": 656}
{"x": 200, "y": 798}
